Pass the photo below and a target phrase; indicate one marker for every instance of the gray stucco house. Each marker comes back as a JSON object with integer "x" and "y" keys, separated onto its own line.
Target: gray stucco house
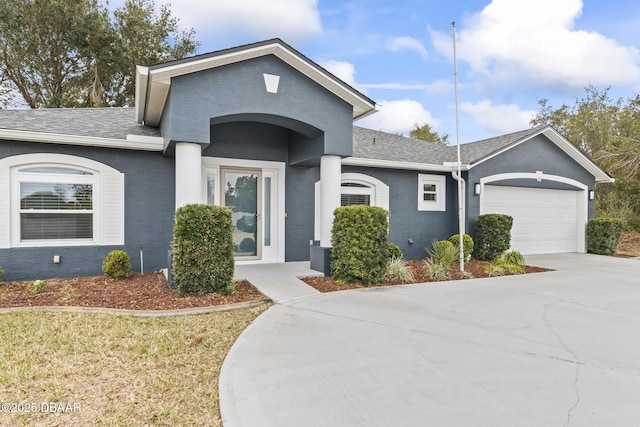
{"x": 266, "y": 131}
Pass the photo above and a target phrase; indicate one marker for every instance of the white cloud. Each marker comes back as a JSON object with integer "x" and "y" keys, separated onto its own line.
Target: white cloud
{"x": 407, "y": 43}
{"x": 439, "y": 86}
{"x": 536, "y": 43}
{"x": 345, "y": 71}
{"x": 503, "y": 118}
{"x": 398, "y": 117}
{"x": 288, "y": 19}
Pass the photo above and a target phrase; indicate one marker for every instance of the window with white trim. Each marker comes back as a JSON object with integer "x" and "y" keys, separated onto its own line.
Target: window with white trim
{"x": 50, "y": 199}
{"x": 431, "y": 192}
{"x": 56, "y": 203}
{"x": 354, "y": 194}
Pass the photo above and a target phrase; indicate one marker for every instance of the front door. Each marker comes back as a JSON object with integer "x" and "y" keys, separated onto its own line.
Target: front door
{"x": 242, "y": 193}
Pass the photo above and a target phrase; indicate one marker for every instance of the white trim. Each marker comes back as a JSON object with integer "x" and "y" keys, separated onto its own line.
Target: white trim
{"x": 391, "y": 164}
{"x": 583, "y": 205}
{"x": 188, "y": 176}
{"x": 566, "y": 146}
{"x": 159, "y": 79}
{"x": 108, "y": 209}
{"x": 271, "y": 82}
{"x": 330, "y": 173}
{"x": 274, "y": 170}
{"x": 440, "y": 181}
{"x": 140, "y": 143}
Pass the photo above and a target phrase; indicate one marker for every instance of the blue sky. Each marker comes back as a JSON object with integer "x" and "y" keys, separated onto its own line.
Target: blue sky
{"x": 511, "y": 53}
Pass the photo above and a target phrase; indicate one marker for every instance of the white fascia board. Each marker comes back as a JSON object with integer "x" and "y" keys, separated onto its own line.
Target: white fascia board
{"x": 137, "y": 142}
{"x": 361, "y": 106}
{"x": 390, "y": 164}
{"x": 142, "y": 79}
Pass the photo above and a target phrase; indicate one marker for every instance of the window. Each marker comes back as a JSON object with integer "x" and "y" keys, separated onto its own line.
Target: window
{"x": 353, "y": 194}
{"x": 60, "y": 200}
{"x": 431, "y": 192}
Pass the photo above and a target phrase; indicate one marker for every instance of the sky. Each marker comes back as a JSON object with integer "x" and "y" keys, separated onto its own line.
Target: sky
{"x": 510, "y": 53}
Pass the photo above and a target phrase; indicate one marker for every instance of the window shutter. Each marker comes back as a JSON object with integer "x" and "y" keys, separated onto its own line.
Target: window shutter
{"x": 5, "y": 207}
{"x": 112, "y": 232}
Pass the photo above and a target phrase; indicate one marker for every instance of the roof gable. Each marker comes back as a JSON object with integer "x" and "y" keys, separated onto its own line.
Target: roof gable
{"x": 153, "y": 83}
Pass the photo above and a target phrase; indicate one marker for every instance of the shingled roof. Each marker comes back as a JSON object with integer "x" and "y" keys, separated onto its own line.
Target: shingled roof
{"x": 114, "y": 123}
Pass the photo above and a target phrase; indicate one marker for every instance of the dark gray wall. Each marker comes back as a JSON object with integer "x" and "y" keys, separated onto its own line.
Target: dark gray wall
{"x": 405, "y": 221}
{"x": 260, "y": 141}
{"x": 149, "y": 208}
{"x": 238, "y": 89}
{"x": 537, "y": 154}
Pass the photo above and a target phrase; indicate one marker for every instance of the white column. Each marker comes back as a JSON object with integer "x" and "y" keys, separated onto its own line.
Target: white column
{"x": 188, "y": 173}
{"x": 330, "y": 170}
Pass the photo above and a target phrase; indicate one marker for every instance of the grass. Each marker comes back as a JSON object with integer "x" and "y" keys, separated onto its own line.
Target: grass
{"x": 121, "y": 370}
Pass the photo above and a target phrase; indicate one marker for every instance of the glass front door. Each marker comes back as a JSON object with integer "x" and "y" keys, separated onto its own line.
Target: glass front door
{"x": 242, "y": 193}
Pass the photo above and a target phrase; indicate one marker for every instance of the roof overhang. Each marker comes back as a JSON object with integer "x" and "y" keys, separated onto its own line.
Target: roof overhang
{"x": 562, "y": 143}
{"x": 389, "y": 164}
{"x": 153, "y": 83}
{"x": 132, "y": 142}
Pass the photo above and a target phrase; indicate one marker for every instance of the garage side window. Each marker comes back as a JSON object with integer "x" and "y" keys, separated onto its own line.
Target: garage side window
{"x": 431, "y": 192}
{"x": 56, "y": 203}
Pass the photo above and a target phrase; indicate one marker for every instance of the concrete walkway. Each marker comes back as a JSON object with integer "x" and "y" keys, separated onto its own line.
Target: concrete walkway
{"x": 278, "y": 281}
{"x": 558, "y": 348}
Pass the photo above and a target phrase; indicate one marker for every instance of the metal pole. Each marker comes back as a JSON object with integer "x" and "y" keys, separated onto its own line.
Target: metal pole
{"x": 460, "y": 195}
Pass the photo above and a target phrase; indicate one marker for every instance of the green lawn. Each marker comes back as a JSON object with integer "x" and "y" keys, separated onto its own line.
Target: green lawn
{"x": 117, "y": 370}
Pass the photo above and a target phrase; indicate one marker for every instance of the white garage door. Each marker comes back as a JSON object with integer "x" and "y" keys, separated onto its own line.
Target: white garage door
{"x": 544, "y": 221}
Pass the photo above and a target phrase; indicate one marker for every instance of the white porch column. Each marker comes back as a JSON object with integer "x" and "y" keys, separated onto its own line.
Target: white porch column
{"x": 330, "y": 170}
{"x": 188, "y": 173}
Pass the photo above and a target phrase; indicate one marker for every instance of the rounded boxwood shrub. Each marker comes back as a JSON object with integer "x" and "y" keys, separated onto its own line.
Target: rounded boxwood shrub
{"x": 117, "y": 264}
{"x": 467, "y": 243}
{"x": 203, "y": 249}
{"x": 360, "y": 242}
{"x": 603, "y": 235}
{"x": 493, "y": 235}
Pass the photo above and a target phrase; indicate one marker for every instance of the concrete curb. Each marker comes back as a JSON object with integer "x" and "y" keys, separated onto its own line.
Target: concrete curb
{"x": 143, "y": 313}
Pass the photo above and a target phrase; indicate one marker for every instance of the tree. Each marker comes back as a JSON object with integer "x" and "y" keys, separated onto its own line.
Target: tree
{"x": 608, "y": 130}
{"x": 70, "y": 53}
{"x": 426, "y": 133}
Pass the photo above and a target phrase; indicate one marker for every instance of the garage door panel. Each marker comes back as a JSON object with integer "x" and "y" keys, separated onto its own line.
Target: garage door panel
{"x": 545, "y": 220}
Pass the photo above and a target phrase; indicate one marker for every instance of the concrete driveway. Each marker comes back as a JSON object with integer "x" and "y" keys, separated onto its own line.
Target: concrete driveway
{"x": 559, "y": 348}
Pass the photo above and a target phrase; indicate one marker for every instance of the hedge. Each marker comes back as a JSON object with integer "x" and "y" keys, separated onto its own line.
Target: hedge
{"x": 203, "y": 250}
{"x": 493, "y": 235}
{"x": 360, "y": 244}
{"x": 603, "y": 235}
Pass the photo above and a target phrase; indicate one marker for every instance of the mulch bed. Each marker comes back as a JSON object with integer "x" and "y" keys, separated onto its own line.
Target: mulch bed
{"x": 475, "y": 267}
{"x": 148, "y": 291}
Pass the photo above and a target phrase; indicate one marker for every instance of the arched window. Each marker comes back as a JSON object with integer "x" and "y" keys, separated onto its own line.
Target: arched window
{"x": 60, "y": 200}
{"x": 361, "y": 189}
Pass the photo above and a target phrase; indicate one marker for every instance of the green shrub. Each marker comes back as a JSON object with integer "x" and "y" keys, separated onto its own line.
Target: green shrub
{"x": 512, "y": 257}
{"x": 603, "y": 235}
{"x": 360, "y": 244}
{"x": 393, "y": 251}
{"x": 493, "y": 235}
{"x": 117, "y": 264}
{"x": 1, "y": 273}
{"x": 444, "y": 252}
{"x": 467, "y": 242}
{"x": 495, "y": 269}
{"x": 436, "y": 270}
{"x": 247, "y": 245}
{"x": 399, "y": 270}
{"x": 37, "y": 286}
{"x": 203, "y": 250}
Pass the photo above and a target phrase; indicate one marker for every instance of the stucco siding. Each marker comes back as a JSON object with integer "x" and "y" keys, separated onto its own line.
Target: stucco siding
{"x": 149, "y": 201}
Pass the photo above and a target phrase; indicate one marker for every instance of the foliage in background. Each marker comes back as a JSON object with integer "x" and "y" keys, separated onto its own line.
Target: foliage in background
{"x": 360, "y": 244}
{"x": 203, "y": 250}
{"x": 72, "y": 53}
{"x": 603, "y": 235}
{"x": 394, "y": 251}
{"x": 117, "y": 264}
{"x": 426, "y": 133}
{"x": 608, "y": 130}
{"x": 467, "y": 243}
{"x": 493, "y": 235}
